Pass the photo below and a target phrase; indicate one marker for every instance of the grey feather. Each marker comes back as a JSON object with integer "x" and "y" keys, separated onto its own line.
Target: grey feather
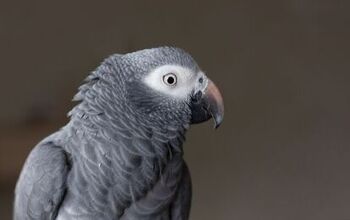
{"x": 41, "y": 186}
{"x": 118, "y": 157}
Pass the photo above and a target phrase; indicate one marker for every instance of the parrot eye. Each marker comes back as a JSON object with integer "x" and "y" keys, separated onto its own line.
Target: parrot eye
{"x": 170, "y": 79}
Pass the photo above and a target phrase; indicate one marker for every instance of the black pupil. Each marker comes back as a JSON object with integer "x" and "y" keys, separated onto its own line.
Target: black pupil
{"x": 170, "y": 80}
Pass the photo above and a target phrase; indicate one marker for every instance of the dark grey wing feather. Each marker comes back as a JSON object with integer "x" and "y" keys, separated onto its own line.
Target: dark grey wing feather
{"x": 41, "y": 185}
{"x": 180, "y": 207}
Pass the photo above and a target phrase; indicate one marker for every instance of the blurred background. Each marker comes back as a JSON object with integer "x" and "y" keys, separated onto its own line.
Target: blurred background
{"x": 283, "y": 68}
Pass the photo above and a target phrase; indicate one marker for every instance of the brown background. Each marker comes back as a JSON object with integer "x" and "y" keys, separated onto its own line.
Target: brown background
{"x": 283, "y": 68}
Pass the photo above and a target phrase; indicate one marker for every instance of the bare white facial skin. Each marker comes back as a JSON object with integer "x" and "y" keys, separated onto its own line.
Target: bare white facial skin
{"x": 186, "y": 81}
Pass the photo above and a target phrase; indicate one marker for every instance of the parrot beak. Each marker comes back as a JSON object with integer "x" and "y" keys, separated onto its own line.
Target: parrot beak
{"x": 208, "y": 104}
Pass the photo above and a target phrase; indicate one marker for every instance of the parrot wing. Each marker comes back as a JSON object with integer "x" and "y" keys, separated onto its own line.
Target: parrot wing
{"x": 41, "y": 186}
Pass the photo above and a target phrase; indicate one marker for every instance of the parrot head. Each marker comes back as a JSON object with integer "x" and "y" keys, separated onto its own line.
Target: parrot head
{"x": 164, "y": 86}
{"x": 169, "y": 85}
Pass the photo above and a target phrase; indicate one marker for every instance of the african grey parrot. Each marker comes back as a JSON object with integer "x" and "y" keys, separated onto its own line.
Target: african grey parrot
{"x": 120, "y": 156}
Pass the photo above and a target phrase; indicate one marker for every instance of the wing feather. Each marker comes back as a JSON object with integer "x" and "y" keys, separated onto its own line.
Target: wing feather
{"x": 42, "y": 183}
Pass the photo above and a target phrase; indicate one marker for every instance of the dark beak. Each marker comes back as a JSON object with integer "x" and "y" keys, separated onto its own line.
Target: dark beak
{"x": 208, "y": 105}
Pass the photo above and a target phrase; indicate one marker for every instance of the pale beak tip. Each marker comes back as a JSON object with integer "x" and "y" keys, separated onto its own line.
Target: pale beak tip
{"x": 218, "y": 120}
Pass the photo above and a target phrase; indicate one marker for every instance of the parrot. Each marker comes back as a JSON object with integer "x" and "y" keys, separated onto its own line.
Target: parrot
{"x": 120, "y": 155}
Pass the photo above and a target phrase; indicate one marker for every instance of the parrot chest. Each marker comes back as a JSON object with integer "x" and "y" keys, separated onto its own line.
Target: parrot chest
{"x": 112, "y": 188}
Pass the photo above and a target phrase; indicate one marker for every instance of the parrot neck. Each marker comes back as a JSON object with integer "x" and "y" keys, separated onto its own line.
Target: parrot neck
{"x": 143, "y": 137}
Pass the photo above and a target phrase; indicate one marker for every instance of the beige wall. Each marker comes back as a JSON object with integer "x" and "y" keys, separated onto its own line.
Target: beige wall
{"x": 283, "y": 68}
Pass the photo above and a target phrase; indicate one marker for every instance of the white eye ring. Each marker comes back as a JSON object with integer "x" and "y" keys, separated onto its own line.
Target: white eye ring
{"x": 170, "y": 79}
